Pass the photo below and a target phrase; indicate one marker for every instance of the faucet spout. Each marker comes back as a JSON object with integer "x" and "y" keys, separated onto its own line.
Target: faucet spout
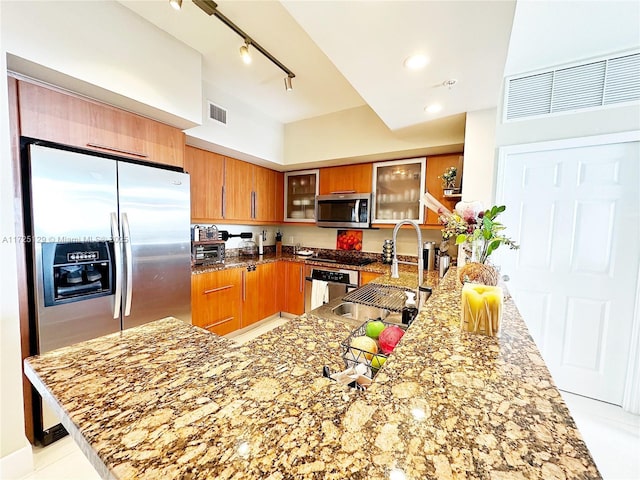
{"x": 395, "y": 261}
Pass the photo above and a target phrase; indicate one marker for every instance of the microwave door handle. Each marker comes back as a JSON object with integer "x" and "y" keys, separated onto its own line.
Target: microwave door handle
{"x": 356, "y": 212}
{"x": 128, "y": 264}
{"x": 117, "y": 254}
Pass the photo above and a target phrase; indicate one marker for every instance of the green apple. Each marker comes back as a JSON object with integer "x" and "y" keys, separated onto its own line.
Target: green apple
{"x": 374, "y": 329}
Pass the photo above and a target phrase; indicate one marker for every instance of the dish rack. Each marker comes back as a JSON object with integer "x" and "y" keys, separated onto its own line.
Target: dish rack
{"x": 352, "y": 356}
{"x": 389, "y": 297}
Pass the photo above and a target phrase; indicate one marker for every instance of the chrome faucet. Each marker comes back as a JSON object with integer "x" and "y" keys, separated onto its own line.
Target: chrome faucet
{"x": 395, "y": 261}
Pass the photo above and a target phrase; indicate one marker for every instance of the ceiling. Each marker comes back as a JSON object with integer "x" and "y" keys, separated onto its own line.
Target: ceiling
{"x": 346, "y": 54}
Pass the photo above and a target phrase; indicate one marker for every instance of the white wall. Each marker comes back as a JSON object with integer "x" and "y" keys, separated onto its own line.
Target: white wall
{"x": 478, "y": 180}
{"x": 12, "y": 436}
{"x": 358, "y": 133}
{"x": 105, "y": 51}
{"x": 248, "y": 135}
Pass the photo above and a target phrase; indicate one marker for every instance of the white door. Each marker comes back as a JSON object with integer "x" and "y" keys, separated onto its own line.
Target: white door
{"x": 575, "y": 212}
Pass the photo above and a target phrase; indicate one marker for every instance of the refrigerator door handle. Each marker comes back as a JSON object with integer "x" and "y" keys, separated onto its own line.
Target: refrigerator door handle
{"x": 128, "y": 260}
{"x": 117, "y": 253}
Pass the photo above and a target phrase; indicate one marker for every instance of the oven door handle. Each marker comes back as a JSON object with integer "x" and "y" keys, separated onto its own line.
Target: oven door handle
{"x": 348, "y": 285}
{"x": 117, "y": 253}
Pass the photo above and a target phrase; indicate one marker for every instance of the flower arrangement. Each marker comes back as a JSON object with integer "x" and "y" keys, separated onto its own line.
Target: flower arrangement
{"x": 449, "y": 177}
{"x": 469, "y": 223}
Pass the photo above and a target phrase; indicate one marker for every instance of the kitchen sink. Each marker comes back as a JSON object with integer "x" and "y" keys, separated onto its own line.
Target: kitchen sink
{"x": 360, "y": 312}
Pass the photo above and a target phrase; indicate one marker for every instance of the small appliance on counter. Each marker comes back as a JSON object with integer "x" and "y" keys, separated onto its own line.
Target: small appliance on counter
{"x": 208, "y": 252}
{"x": 248, "y": 248}
{"x": 429, "y": 255}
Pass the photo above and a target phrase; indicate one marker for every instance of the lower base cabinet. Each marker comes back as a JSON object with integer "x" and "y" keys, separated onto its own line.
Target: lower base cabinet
{"x": 294, "y": 287}
{"x": 216, "y": 300}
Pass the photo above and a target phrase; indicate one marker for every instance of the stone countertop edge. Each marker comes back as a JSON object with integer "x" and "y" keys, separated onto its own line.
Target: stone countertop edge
{"x": 445, "y": 405}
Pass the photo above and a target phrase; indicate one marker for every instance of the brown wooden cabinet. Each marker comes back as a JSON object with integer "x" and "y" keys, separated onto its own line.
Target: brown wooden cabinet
{"x": 346, "y": 178}
{"x": 259, "y": 293}
{"x": 226, "y": 189}
{"x": 436, "y": 165}
{"x": 294, "y": 288}
{"x": 216, "y": 300}
{"x": 238, "y": 188}
{"x": 50, "y": 114}
{"x": 253, "y": 194}
{"x": 207, "y": 177}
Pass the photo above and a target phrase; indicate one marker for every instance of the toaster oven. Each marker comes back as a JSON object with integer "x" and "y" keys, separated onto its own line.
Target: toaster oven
{"x": 208, "y": 252}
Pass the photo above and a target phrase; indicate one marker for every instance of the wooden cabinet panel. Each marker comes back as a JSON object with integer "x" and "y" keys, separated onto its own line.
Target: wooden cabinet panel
{"x": 53, "y": 115}
{"x": 268, "y": 290}
{"x": 265, "y": 184}
{"x": 366, "y": 277}
{"x": 250, "y": 296}
{"x": 216, "y": 300}
{"x": 348, "y": 177}
{"x": 279, "y": 198}
{"x": 238, "y": 184}
{"x": 294, "y": 288}
{"x": 207, "y": 177}
{"x": 436, "y": 166}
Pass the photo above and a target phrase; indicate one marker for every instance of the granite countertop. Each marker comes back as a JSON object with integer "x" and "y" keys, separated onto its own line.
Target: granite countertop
{"x": 169, "y": 400}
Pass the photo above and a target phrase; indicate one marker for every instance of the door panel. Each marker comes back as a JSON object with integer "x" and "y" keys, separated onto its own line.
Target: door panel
{"x": 155, "y": 205}
{"x": 576, "y": 214}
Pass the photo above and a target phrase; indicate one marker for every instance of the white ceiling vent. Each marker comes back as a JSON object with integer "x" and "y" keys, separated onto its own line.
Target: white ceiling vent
{"x": 217, "y": 113}
{"x": 590, "y": 85}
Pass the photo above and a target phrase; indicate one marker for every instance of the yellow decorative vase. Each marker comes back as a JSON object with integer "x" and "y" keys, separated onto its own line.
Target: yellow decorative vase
{"x": 481, "y": 309}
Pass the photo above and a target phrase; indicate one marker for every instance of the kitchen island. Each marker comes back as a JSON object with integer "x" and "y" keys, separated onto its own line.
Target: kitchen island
{"x": 168, "y": 400}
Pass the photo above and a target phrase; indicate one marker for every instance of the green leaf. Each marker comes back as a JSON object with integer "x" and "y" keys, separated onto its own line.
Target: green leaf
{"x": 461, "y": 239}
{"x": 493, "y": 245}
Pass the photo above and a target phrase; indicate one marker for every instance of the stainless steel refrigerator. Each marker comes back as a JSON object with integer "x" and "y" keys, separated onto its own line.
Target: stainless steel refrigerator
{"x": 110, "y": 246}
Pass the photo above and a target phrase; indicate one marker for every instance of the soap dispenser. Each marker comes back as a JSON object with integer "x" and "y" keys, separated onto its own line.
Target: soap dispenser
{"x": 410, "y": 310}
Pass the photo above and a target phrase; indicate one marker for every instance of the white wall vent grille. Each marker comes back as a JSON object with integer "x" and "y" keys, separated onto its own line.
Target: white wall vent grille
{"x": 590, "y": 85}
{"x": 217, "y": 113}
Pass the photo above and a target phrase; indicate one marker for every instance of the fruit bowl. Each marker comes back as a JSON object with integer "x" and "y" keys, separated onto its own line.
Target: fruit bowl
{"x": 355, "y": 352}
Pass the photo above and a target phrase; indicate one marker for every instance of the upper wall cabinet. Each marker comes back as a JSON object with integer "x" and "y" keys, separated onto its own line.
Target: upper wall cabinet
{"x": 436, "y": 166}
{"x": 207, "y": 177}
{"x": 226, "y": 189}
{"x": 346, "y": 178}
{"x": 398, "y": 188}
{"x": 49, "y": 114}
{"x": 251, "y": 193}
{"x": 300, "y": 190}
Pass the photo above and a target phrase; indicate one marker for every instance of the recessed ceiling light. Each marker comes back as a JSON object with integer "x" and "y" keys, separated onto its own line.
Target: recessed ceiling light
{"x": 433, "y": 108}
{"x": 416, "y": 62}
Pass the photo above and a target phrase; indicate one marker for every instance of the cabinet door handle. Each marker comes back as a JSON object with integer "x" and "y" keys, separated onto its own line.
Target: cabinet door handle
{"x": 219, "y": 322}
{"x": 224, "y": 201}
{"x": 301, "y": 279}
{"x": 253, "y": 205}
{"x": 206, "y": 292}
{"x": 117, "y": 150}
{"x": 244, "y": 286}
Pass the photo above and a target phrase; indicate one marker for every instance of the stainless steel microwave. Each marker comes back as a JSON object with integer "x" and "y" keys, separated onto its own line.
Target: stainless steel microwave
{"x": 351, "y": 210}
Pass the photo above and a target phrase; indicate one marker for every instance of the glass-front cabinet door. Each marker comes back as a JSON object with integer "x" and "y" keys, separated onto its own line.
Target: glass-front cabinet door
{"x": 300, "y": 190}
{"x": 398, "y": 187}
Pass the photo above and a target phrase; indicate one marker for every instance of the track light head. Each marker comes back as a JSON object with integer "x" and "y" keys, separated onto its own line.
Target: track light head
{"x": 287, "y": 83}
{"x": 244, "y": 52}
{"x": 176, "y": 4}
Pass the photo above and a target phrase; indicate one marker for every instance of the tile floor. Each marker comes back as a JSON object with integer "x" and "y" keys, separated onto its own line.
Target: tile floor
{"x": 612, "y": 435}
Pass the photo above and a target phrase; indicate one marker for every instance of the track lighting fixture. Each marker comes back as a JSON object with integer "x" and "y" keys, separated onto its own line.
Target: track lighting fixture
{"x": 177, "y": 4}
{"x": 211, "y": 8}
{"x": 244, "y": 52}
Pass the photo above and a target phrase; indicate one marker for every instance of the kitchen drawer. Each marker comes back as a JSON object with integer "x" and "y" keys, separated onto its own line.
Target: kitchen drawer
{"x": 216, "y": 299}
